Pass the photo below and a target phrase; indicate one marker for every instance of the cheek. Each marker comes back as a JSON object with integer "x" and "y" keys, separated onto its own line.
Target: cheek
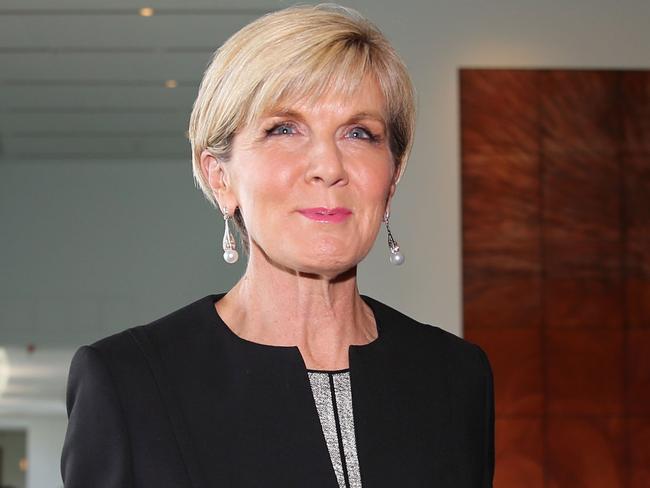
{"x": 263, "y": 185}
{"x": 374, "y": 182}
{"x": 372, "y": 194}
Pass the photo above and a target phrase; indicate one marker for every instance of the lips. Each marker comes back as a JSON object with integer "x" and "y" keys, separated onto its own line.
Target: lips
{"x": 327, "y": 215}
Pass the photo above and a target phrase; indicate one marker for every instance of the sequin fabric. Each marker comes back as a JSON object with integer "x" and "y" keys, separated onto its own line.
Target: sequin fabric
{"x": 333, "y": 397}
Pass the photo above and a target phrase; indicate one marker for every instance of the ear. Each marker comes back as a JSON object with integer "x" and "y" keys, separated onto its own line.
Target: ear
{"x": 218, "y": 178}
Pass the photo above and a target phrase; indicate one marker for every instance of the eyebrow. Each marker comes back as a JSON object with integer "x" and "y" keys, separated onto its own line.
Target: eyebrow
{"x": 369, "y": 115}
{"x": 377, "y": 116}
{"x": 283, "y": 112}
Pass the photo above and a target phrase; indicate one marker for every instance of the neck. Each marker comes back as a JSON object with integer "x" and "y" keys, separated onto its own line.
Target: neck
{"x": 320, "y": 315}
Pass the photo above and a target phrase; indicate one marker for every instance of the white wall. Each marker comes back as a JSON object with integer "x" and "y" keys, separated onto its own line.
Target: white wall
{"x": 44, "y": 441}
{"x": 13, "y": 444}
{"x": 96, "y": 247}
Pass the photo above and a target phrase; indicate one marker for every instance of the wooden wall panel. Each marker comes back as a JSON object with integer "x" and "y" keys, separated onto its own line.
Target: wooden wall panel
{"x": 519, "y": 390}
{"x": 501, "y": 299}
{"x": 499, "y": 109}
{"x": 581, "y": 214}
{"x": 635, "y": 104}
{"x": 637, "y": 364}
{"x": 638, "y": 435}
{"x": 584, "y": 372}
{"x": 586, "y": 452}
{"x": 519, "y": 451}
{"x": 579, "y": 111}
{"x": 637, "y": 218}
{"x": 556, "y": 269}
{"x": 500, "y": 241}
{"x": 504, "y": 235}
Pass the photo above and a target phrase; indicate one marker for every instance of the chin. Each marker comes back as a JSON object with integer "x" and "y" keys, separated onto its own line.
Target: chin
{"x": 324, "y": 257}
{"x": 329, "y": 253}
{"x": 329, "y": 265}
{"x": 328, "y": 270}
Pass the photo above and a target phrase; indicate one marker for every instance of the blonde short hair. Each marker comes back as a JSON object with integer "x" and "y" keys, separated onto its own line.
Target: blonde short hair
{"x": 301, "y": 52}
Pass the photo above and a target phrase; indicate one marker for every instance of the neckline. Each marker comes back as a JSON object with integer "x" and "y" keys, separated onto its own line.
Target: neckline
{"x": 213, "y": 299}
{"x": 329, "y": 371}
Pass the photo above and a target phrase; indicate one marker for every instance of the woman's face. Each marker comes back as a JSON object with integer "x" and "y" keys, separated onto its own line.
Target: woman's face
{"x": 313, "y": 181}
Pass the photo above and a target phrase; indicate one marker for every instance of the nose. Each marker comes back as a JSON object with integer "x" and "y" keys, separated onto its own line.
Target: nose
{"x": 325, "y": 164}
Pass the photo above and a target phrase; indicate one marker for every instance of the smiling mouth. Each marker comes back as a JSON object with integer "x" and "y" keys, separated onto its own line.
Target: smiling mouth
{"x": 327, "y": 215}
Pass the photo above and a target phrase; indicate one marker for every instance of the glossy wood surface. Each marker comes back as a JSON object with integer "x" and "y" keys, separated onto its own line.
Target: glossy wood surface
{"x": 556, "y": 269}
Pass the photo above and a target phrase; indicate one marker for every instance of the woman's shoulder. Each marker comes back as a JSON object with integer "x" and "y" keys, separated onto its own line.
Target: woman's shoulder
{"x": 131, "y": 358}
{"x": 426, "y": 340}
{"x": 181, "y": 325}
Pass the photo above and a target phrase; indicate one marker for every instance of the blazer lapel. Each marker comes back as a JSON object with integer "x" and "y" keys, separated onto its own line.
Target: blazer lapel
{"x": 401, "y": 409}
{"x": 247, "y": 409}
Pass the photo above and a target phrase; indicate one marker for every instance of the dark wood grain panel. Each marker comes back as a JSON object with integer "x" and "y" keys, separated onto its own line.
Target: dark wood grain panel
{"x": 584, "y": 372}
{"x": 515, "y": 356}
{"x": 635, "y": 112}
{"x": 556, "y": 269}
{"x": 638, "y": 438}
{"x": 519, "y": 453}
{"x": 637, "y": 371}
{"x": 581, "y": 215}
{"x": 579, "y": 111}
{"x": 585, "y": 452}
{"x": 637, "y": 256}
{"x": 637, "y": 301}
{"x": 501, "y": 299}
{"x": 499, "y": 108}
{"x": 501, "y": 214}
{"x": 637, "y": 214}
{"x": 584, "y": 302}
{"x": 637, "y": 239}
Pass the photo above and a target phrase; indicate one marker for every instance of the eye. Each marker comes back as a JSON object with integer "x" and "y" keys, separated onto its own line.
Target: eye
{"x": 283, "y": 129}
{"x": 361, "y": 133}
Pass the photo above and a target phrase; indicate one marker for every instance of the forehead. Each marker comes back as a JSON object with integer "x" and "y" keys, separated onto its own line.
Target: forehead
{"x": 365, "y": 98}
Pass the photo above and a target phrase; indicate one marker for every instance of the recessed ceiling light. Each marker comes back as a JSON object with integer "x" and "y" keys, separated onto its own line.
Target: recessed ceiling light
{"x": 146, "y": 11}
{"x": 171, "y": 83}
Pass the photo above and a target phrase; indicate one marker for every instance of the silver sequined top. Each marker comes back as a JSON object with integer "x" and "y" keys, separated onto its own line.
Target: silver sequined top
{"x": 333, "y": 396}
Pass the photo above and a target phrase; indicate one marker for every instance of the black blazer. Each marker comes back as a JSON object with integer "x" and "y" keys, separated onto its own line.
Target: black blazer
{"x": 185, "y": 402}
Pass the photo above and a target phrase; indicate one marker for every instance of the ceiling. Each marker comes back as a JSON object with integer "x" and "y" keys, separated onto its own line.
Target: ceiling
{"x": 87, "y": 79}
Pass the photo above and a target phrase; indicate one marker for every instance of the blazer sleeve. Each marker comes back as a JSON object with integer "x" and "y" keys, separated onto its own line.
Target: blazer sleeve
{"x": 96, "y": 449}
{"x": 488, "y": 468}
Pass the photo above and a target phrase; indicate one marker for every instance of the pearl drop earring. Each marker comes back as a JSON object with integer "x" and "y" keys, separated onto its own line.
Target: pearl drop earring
{"x": 230, "y": 254}
{"x": 396, "y": 257}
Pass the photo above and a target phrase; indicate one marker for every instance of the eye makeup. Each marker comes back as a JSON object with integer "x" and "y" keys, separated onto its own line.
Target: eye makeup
{"x": 289, "y": 128}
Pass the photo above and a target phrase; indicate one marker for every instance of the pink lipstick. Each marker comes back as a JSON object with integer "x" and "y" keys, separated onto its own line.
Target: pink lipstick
{"x": 328, "y": 215}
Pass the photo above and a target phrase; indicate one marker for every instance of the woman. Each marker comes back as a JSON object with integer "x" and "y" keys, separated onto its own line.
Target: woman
{"x": 300, "y": 133}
